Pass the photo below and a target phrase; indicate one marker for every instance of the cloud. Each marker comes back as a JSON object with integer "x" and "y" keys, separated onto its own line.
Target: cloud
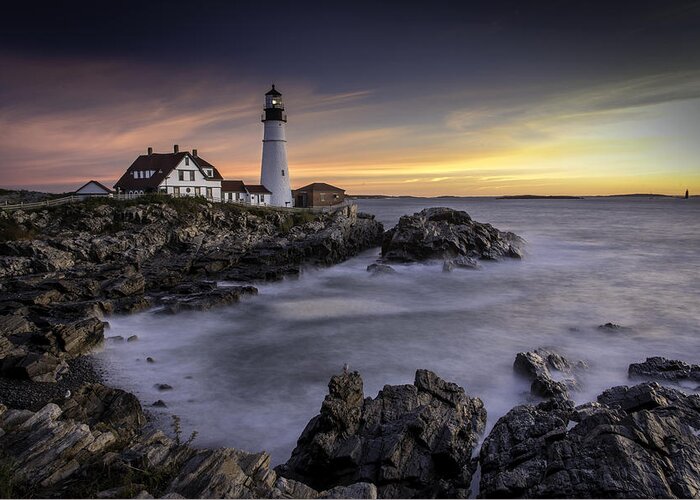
{"x": 68, "y": 120}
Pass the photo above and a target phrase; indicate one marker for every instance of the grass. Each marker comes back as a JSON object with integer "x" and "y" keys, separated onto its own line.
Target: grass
{"x": 11, "y": 231}
{"x": 11, "y": 486}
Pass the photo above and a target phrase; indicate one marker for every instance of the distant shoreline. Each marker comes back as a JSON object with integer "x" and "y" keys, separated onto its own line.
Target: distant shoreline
{"x": 516, "y": 197}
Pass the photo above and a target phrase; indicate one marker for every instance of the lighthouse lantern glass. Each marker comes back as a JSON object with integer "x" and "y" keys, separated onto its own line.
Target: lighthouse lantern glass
{"x": 273, "y": 102}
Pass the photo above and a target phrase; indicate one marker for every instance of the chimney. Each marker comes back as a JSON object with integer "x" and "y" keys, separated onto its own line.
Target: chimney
{"x": 194, "y": 153}
{"x": 150, "y": 151}
{"x": 176, "y": 148}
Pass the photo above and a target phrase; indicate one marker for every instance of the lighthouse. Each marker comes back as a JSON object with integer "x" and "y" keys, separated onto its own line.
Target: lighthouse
{"x": 274, "y": 173}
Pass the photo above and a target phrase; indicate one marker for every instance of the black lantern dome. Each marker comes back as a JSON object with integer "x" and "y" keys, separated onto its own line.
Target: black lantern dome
{"x": 274, "y": 106}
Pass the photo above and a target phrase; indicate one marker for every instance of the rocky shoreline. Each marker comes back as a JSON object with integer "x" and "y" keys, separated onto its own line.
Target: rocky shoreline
{"x": 63, "y": 433}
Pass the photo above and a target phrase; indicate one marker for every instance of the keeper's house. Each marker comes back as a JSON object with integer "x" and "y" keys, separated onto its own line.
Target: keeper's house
{"x": 182, "y": 173}
{"x": 179, "y": 173}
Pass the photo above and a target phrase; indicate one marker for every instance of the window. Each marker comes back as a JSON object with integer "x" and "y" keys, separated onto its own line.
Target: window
{"x": 135, "y": 174}
{"x": 191, "y": 175}
{"x": 176, "y": 191}
{"x": 188, "y": 190}
{"x": 209, "y": 192}
{"x": 282, "y": 172}
{"x": 262, "y": 197}
{"x": 181, "y": 175}
{"x": 197, "y": 191}
{"x": 323, "y": 196}
{"x": 187, "y": 160}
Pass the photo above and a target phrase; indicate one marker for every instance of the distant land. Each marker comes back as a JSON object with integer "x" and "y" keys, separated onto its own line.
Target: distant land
{"x": 539, "y": 197}
{"x": 516, "y": 196}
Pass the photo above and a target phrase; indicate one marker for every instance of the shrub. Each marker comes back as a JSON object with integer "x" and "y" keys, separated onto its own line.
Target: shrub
{"x": 11, "y": 231}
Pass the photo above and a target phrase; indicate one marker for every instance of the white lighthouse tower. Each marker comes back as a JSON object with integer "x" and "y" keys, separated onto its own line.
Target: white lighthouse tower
{"x": 274, "y": 174}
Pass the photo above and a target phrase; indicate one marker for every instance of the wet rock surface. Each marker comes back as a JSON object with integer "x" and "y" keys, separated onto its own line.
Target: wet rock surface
{"x": 634, "y": 442}
{"x": 410, "y": 441}
{"x": 444, "y": 233}
{"x": 541, "y": 365}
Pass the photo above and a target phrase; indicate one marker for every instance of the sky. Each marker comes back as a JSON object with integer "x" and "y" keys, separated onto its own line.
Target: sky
{"x": 423, "y": 98}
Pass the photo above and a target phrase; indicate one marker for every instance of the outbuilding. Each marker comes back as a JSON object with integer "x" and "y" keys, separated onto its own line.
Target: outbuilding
{"x": 318, "y": 194}
{"x": 93, "y": 188}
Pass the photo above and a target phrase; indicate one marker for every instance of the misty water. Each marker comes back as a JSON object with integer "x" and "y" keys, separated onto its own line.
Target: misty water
{"x": 251, "y": 375}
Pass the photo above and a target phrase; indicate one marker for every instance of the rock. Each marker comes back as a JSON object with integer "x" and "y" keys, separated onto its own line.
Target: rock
{"x": 288, "y": 488}
{"x": 635, "y": 442}
{"x": 203, "y": 301}
{"x": 160, "y": 404}
{"x": 33, "y": 366}
{"x": 357, "y": 490}
{"x": 95, "y": 403}
{"x": 611, "y": 327}
{"x": 443, "y": 233}
{"x": 538, "y": 365}
{"x": 47, "y": 450}
{"x": 150, "y": 360}
{"x": 132, "y": 338}
{"x": 80, "y": 336}
{"x": 225, "y": 473}
{"x": 665, "y": 369}
{"x": 115, "y": 338}
{"x": 127, "y": 285}
{"x": 377, "y": 268}
{"x": 461, "y": 262}
{"x": 411, "y": 440}
{"x": 163, "y": 387}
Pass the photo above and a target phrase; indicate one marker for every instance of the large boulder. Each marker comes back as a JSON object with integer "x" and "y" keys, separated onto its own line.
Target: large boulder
{"x": 117, "y": 409}
{"x": 410, "y": 441}
{"x": 670, "y": 370}
{"x": 634, "y": 442}
{"x": 444, "y": 233}
{"x": 543, "y": 367}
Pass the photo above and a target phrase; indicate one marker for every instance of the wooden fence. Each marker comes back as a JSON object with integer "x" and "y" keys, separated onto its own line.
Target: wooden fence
{"x": 42, "y": 204}
{"x": 74, "y": 199}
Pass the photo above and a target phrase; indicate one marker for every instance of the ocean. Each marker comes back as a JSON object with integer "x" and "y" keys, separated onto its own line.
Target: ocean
{"x": 253, "y": 374}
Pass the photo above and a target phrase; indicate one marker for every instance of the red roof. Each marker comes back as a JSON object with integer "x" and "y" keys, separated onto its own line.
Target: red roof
{"x": 319, "y": 186}
{"x": 257, "y": 188}
{"x": 233, "y": 187}
{"x": 99, "y": 184}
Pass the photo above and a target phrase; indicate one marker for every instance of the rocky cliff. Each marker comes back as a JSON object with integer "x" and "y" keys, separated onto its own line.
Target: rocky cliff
{"x": 64, "y": 270}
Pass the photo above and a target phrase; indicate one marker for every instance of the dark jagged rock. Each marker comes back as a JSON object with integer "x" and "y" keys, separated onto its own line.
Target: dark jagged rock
{"x": 411, "y": 440}
{"x": 88, "y": 261}
{"x": 378, "y": 268}
{"x": 205, "y": 300}
{"x": 50, "y": 454}
{"x": 635, "y": 442}
{"x": 461, "y": 262}
{"x": 658, "y": 368}
{"x": 611, "y": 327}
{"x": 96, "y": 403}
{"x": 538, "y": 365}
{"x": 37, "y": 367}
{"x": 443, "y": 233}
